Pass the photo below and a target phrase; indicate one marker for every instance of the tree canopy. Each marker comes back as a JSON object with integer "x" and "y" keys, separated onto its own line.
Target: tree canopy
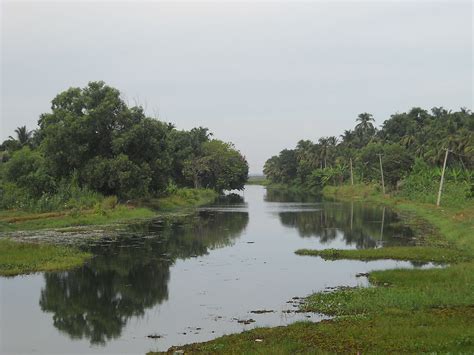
{"x": 403, "y": 138}
{"x": 91, "y": 134}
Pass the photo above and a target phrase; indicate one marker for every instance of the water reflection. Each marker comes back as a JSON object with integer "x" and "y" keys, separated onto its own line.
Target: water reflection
{"x": 130, "y": 273}
{"x": 165, "y": 278}
{"x": 357, "y": 224}
{"x": 276, "y": 195}
{"x": 233, "y": 199}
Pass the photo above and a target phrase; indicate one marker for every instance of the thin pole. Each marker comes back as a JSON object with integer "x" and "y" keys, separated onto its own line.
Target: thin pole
{"x": 381, "y": 228}
{"x": 381, "y": 173}
{"x": 352, "y": 176}
{"x": 442, "y": 178}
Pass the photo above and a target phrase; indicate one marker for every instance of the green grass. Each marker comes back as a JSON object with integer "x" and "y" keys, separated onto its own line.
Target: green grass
{"x": 404, "y": 311}
{"x": 258, "y": 180}
{"x": 418, "y": 253}
{"x": 182, "y": 198}
{"x": 289, "y": 187}
{"x": 106, "y": 212}
{"x": 435, "y": 330}
{"x": 18, "y": 258}
{"x": 22, "y": 258}
{"x": 15, "y": 221}
{"x": 401, "y": 290}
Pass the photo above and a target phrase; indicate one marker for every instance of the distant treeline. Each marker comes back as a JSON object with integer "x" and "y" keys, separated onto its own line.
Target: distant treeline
{"x": 93, "y": 140}
{"x": 414, "y": 140}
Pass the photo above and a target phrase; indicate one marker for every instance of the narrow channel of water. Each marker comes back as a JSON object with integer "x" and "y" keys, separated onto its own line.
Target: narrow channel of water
{"x": 195, "y": 278}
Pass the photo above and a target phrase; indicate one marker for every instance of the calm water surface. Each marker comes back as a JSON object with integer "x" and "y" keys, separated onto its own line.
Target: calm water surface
{"x": 194, "y": 278}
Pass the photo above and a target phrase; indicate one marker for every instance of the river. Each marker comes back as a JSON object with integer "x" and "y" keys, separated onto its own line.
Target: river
{"x": 194, "y": 278}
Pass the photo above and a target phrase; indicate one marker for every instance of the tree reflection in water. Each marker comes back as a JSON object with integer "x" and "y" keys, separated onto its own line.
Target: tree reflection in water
{"x": 360, "y": 225}
{"x": 130, "y": 273}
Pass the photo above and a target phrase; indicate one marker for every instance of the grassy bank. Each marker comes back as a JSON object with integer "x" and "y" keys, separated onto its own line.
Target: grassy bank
{"x": 442, "y": 330}
{"x": 18, "y": 258}
{"x": 18, "y": 220}
{"x": 455, "y": 224}
{"x": 405, "y": 311}
{"x": 418, "y": 253}
{"x": 22, "y": 258}
{"x": 108, "y": 211}
{"x": 257, "y": 180}
{"x": 290, "y": 188}
{"x": 181, "y": 198}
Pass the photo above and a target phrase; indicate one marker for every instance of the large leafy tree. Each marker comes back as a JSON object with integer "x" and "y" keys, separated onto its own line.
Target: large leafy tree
{"x": 220, "y": 167}
{"x": 83, "y": 125}
{"x": 186, "y": 147}
{"x": 92, "y": 137}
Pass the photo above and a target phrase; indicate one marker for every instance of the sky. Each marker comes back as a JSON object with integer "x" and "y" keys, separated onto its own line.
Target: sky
{"x": 260, "y": 74}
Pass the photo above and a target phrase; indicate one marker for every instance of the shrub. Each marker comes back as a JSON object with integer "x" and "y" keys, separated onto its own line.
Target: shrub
{"x": 27, "y": 170}
{"x": 423, "y": 184}
{"x": 109, "y": 203}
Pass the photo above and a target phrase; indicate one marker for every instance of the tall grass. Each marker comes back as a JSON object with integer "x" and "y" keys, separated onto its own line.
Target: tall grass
{"x": 68, "y": 196}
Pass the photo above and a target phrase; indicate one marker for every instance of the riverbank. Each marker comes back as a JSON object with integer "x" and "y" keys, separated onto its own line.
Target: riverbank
{"x": 421, "y": 310}
{"x": 106, "y": 213}
{"x": 257, "y": 180}
{"x": 24, "y": 257}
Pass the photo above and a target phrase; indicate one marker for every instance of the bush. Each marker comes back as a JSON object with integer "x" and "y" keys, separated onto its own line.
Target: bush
{"x": 109, "y": 203}
{"x": 423, "y": 184}
{"x": 27, "y": 170}
{"x": 11, "y": 196}
{"x": 118, "y": 176}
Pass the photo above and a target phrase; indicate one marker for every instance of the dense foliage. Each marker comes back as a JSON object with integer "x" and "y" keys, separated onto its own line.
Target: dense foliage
{"x": 413, "y": 141}
{"x": 92, "y": 141}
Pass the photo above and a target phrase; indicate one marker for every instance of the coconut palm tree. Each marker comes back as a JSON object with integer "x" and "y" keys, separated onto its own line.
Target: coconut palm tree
{"x": 365, "y": 129}
{"x": 324, "y": 144}
{"x": 365, "y": 122}
{"x": 23, "y": 136}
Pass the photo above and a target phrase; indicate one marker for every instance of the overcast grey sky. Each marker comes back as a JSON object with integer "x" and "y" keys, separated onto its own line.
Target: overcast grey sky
{"x": 260, "y": 74}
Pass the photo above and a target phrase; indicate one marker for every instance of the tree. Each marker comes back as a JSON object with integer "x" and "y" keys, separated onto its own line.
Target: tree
{"x": 396, "y": 162}
{"x": 288, "y": 165}
{"x": 186, "y": 146}
{"x": 307, "y": 156}
{"x": 82, "y": 125}
{"x": 147, "y": 145}
{"x": 365, "y": 129}
{"x": 272, "y": 170}
{"x": 23, "y": 136}
{"x": 324, "y": 147}
{"x": 117, "y": 176}
{"x": 26, "y": 169}
{"x": 220, "y": 167}
{"x": 365, "y": 122}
